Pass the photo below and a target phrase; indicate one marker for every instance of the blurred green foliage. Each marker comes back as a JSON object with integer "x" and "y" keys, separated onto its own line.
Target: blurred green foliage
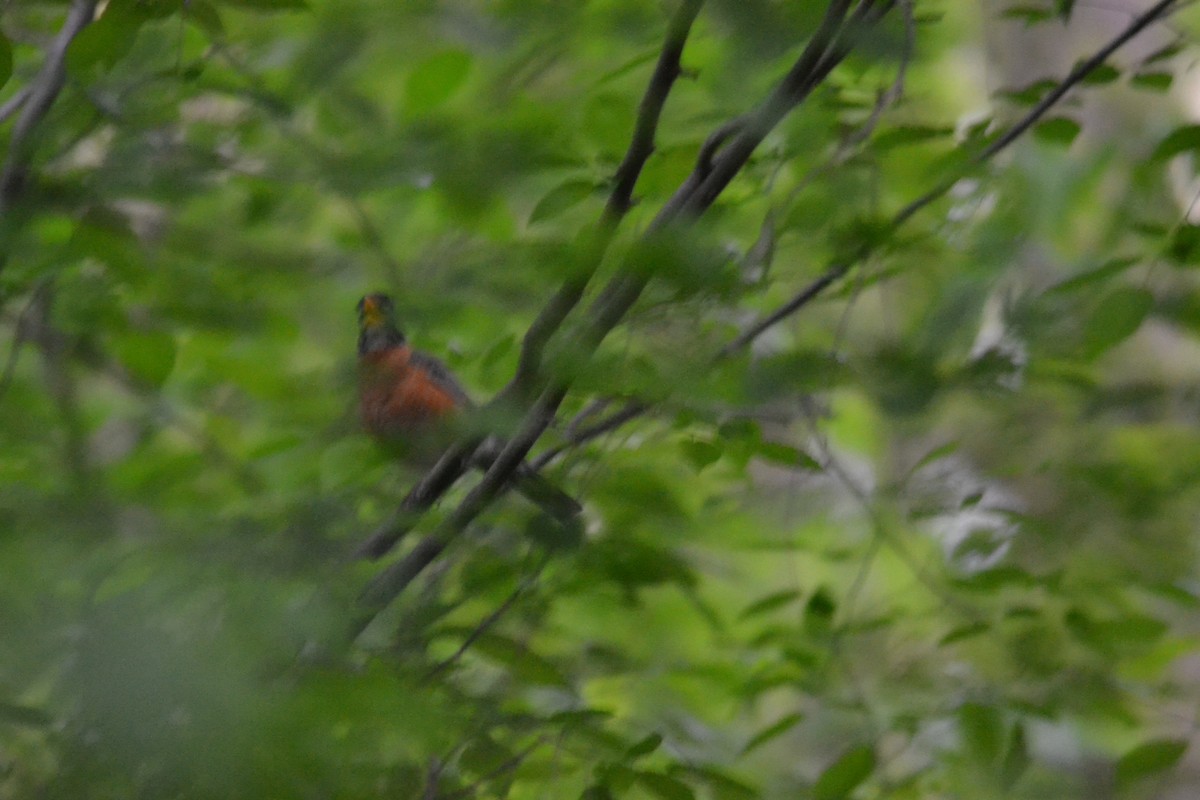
{"x": 933, "y": 536}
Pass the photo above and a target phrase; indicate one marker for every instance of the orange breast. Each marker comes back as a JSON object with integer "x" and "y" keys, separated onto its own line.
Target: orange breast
{"x": 397, "y": 397}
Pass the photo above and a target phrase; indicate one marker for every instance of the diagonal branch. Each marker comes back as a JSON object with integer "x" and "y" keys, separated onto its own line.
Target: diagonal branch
{"x": 43, "y": 91}
{"x": 551, "y": 317}
{"x": 817, "y": 286}
{"x": 825, "y": 49}
{"x": 564, "y": 301}
{"x": 1074, "y": 78}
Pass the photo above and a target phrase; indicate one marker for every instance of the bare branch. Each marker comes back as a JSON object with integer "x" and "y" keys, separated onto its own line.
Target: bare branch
{"x": 552, "y": 315}
{"x": 564, "y": 301}
{"x": 1081, "y": 71}
{"x": 831, "y": 275}
{"x": 43, "y": 91}
{"x": 505, "y": 766}
{"x": 488, "y": 621}
{"x": 14, "y": 103}
{"x": 826, "y": 48}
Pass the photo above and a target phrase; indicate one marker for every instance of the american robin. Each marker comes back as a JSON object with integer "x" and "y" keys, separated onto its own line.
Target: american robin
{"x": 411, "y": 402}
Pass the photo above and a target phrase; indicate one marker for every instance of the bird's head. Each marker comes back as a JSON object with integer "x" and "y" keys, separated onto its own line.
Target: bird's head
{"x": 377, "y": 324}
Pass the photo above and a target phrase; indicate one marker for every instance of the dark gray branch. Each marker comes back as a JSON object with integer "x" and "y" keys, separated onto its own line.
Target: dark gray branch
{"x": 43, "y": 91}
{"x": 826, "y": 48}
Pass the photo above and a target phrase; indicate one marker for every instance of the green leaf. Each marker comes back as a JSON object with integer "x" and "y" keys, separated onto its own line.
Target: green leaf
{"x": 844, "y": 775}
{"x": 1057, "y": 130}
{"x": 665, "y": 786}
{"x": 1150, "y": 758}
{"x": 1063, "y": 9}
{"x": 6, "y": 60}
{"x": 1109, "y": 269}
{"x": 1163, "y": 53}
{"x": 1153, "y": 81}
{"x": 722, "y": 785}
{"x": 13, "y": 714}
{"x": 982, "y": 730}
{"x": 910, "y": 134}
{"x": 1101, "y": 75}
{"x": 106, "y": 41}
{"x": 1030, "y": 94}
{"x": 701, "y": 453}
{"x": 1115, "y": 319}
{"x": 787, "y": 455}
{"x": 266, "y": 5}
{"x": 772, "y": 731}
{"x": 149, "y": 355}
{"x": 1183, "y": 246}
{"x": 560, "y": 198}
{"x": 967, "y": 631}
{"x": 1029, "y": 14}
{"x": 770, "y": 603}
{"x": 1183, "y": 139}
{"x": 435, "y": 80}
{"x": 519, "y": 658}
{"x": 644, "y": 747}
{"x": 1016, "y": 758}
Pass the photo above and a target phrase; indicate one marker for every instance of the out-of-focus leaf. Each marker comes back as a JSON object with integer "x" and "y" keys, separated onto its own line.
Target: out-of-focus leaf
{"x": 1109, "y": 269}
{"x": 1183, "y": 139}
{"x": 148, "y": 355}
{"x": 910, "y": 134}
{"x": 561, "y": 198}
{"x": 772, "y": 731}
{"x": 435, "y": 80}
{"x": 1016, "y": 758}
{"x": 771, "y": 602}
{"x": 14, "y": 714}
{"x": 1101, "y": 75}
{"x": 665, "y": 787}
{"x": 1183, "y": 247}
{"x": 518, "y": 657}
{"x": 701, "y": 453}
{"x": 1029, "y": 14}
{"x": 6, "y": 60}
{"x": 968, "y": 631}
{"x": 844, "y": 775}
{"x": 1149, "y": 759}
{"x": 266, "y": 5}
{"x": 983, "y": 732}
{"x": 1057, "y": 130}
{"x": 1115, "y": 319}
{"x": 1154, "y": 81}
{"x": 646, "y": 746}
{"x": 1031, "y": 94}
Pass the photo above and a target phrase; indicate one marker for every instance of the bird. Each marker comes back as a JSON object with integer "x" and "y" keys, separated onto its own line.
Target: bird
{"x": 412, "y": 404}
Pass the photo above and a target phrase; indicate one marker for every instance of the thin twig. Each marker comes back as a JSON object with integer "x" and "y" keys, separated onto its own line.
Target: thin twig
{"x": 831, "y": 275}
{"x": 14, "y": 103}
{"x": 486, "y": 624}
{"x": 21, "y": 334}
{"x": 507, "y": 765}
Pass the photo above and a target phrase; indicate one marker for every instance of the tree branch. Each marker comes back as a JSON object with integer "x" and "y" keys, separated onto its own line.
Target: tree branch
{"x": 825, "y": 49}
{"x": 620, "y": 200}
{"x": 552, "y": 315}
{"x": 43, "y": 91}
{"x": 836, "y": 271}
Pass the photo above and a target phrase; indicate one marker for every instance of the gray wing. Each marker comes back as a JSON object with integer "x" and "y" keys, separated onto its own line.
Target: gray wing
{"x": 442, "y": 374}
